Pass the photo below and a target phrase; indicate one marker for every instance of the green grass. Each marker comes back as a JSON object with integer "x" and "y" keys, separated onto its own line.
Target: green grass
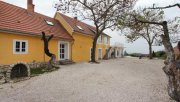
{"x": 37, "y": 71}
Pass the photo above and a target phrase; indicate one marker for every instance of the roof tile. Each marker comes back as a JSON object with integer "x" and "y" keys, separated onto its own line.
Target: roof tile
{"x": 74, "y": 23}
{"x": 19, "y": 19}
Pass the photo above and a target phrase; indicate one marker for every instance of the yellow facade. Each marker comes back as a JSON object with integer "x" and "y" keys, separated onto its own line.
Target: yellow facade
{"x": 82, "y": 45}
{"x": 78, "y": 50}
{"x": 103, "y": 46}
{"x": 35, "y": 49}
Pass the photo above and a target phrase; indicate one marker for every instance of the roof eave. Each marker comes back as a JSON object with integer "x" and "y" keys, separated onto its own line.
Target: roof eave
{"x": 28, "y": 33}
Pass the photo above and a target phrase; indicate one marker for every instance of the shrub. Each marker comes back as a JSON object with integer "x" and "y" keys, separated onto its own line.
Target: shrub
{"x": 161, "y": 54}
{"x": 135, "y": 54}
{"x": 36, "y": 71}
{"x": 41, "y": 70}
{"x": 153, "y": 54}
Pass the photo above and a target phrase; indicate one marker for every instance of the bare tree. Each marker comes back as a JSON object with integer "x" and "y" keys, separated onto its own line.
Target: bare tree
{"x": 103, "y": 13}
{"x": 171, "y": 68}
{"x": 46, "y": 40}
{"x": 165, "y": 7}
{"x": 146, "y": 31}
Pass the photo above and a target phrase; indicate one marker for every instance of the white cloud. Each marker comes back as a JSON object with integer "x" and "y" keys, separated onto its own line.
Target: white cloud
{"x": 20, "y": 3}
{"x": 41, "y": 6}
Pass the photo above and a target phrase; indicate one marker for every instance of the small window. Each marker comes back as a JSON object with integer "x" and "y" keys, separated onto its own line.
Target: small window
{"x": 50, "y": 23}
{"x": 99, "y": 53}
{"x": 99, "y": 39}
{"x": 106, "y": 40}
{"x": 79, "y": 27}
{"x": 20, "y": 46}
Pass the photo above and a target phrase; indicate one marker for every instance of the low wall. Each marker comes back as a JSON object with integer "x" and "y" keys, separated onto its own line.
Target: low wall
{"x": 5, "y": 70}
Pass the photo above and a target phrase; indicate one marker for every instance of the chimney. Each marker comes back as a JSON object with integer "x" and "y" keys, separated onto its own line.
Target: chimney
{"x": 75, "y": 18}
{"x": 30, "y": 6}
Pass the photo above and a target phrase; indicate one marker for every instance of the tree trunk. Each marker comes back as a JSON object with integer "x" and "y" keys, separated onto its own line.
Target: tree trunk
{"x": 150, "y": 51}
{"x": 93, "y": 53}
{"x": 170, "y": 68}
{"x": 47, "y": 52}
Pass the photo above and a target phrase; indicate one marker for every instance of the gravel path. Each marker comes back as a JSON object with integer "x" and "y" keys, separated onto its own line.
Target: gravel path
{"x": 120, "y": 80}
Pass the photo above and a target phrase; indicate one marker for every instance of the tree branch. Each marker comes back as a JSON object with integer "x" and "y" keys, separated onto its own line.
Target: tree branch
{"x": 177, "y": 4}
{"x": 50, "y": 37}
{"x": 141, "y": 21}
{"x": 45, "y": 40}
{"x": 43, "y": 36}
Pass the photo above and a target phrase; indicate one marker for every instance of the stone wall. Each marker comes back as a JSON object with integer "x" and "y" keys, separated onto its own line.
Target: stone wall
{"x": 3, "y": 73}
{"x": 37, "y": 65}
{"x": 5, "y": 70}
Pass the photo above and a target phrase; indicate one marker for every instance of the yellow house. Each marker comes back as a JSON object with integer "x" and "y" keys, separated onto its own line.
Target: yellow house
{"x": 83, "y": 34}
{"x": 20, "y": 36}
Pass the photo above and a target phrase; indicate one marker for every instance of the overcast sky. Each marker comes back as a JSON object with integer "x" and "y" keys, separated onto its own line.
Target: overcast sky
{"x": 46, "y": 7}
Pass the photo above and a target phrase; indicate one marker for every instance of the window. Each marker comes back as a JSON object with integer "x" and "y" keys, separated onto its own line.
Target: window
{"x": 20, "y": 46}
{"x": 63, "y": 49}
{"x": 99, "y": 53}
{"x": 117, "y": 53}
{"x": 99, "y": 39}
{"x": 106, "y": 40}
{"x": 50, "y": 23}
{"x": 79, "y": 27}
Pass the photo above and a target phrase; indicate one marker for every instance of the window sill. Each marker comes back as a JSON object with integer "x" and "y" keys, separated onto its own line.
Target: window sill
{"x": 18, "y": 53}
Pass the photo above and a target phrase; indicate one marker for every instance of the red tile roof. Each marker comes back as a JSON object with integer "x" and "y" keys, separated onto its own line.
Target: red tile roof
{"x": 17, "y": 19}
{"x": 87, "y": 29}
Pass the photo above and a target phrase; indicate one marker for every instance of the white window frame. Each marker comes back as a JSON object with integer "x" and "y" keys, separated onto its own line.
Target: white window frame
{"x": 79, "y": 27}
{"x": 20, "y": 52}
{"x": 63, "y": 42}
{"x": 49, "y": 23}
{"x": 106, "y": 41}
{"x": 117, "y": 52}
{"x": 99, "y": 40}
{"x": 98, "y": 53}
{"x": 120, "y": 53}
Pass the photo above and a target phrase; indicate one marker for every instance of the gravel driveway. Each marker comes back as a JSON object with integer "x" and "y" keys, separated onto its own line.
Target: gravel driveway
{"x": 120, "y": 80}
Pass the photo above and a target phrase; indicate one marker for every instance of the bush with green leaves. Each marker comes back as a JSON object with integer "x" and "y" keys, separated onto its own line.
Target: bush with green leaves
{"x": 160, "y": 54}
